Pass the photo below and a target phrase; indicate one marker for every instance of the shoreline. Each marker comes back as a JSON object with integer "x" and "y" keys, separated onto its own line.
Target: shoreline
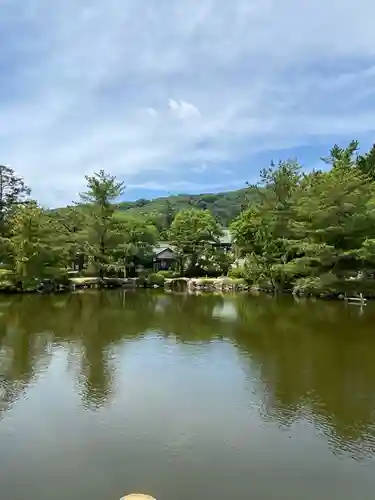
{"x": 188, "y": 285}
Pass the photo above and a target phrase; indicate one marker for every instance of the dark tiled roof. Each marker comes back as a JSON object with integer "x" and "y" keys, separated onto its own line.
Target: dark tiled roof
{"x": 161, "y": 247}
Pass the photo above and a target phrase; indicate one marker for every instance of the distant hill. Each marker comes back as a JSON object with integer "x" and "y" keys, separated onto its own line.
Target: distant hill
{"x": 225, "y": 206}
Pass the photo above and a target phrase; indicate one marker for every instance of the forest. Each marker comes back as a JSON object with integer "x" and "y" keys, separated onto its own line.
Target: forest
{"x": 224, "y": 207}
{"x": 293, "y": 231}
{"x": 312, "y": 231}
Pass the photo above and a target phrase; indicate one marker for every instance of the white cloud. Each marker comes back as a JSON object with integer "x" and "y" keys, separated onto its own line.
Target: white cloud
{"x": 183, "y": 109}
{"x": 142, "y": 86}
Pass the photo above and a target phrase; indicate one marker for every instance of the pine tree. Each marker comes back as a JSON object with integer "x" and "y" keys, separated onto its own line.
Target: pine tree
{"x": 103, "y": 228}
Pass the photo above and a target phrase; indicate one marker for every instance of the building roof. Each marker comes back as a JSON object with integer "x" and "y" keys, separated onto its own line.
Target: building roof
{"x": 162, "y": 246}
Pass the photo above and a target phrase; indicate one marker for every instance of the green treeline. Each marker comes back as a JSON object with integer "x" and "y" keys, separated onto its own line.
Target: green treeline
{"x": 307, "y": 232}
{"x": 312, "y": 231}
{"x": 38, "y": 243}
{"x": 224, "y": 207}
{"x": 95, "y": 237}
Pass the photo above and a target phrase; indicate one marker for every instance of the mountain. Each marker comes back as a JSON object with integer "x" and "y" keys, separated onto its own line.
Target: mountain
{"x": 224, "y": 206}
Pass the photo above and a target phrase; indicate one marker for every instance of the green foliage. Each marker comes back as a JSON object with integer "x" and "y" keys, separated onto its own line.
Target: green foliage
{"x": 155, "y": 279}
{"x": 104, "y": 230}
{"x": 214, "y": 262}
{"x": 74, "y": 231}
{"x": 366, "y": 164}
{"x": 237, "y": 272}
{"x": 343, "y": 157}
{"x": 12, "y": 192}
{"x": 224, "y": 207}
{"x": 312, "y": 231}
{"x": 316, "y": 285}
{"x": 35, "y": 248}
{"x": 263, "y": 231}
{"x": 134, "y": 246}
{"x": 192, "y": 233}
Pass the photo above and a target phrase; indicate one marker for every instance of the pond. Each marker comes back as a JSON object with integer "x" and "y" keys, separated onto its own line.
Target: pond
{"x": 185, "y": 397}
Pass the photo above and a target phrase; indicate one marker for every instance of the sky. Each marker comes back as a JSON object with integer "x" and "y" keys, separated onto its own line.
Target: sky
{"x": 178, "y": 96}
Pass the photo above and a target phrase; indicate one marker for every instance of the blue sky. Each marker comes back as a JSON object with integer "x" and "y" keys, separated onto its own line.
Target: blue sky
{"x": 179, "y": 96}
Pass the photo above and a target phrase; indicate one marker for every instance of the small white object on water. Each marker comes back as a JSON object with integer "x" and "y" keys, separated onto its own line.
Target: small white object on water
{"x": 138, "y": 496}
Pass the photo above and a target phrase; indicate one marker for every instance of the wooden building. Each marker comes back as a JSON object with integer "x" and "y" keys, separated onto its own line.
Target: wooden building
{"x": 165, "y": 257}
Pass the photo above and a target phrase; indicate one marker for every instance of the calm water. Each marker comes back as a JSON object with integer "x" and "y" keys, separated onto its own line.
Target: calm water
{"x": 185, "y": 397}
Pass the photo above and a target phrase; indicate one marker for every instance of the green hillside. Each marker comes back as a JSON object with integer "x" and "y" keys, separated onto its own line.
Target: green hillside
{"x": 224, "y": 206}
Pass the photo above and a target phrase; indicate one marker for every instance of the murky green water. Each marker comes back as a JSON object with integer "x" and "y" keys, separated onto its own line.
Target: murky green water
{"x": 185, "y": 397}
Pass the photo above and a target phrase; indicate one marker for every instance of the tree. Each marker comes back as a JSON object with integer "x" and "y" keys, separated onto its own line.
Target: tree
{"x": 263, "y": 232}
{"x": 334, "y": 214}
{"x": 193, "y": 232}
{"x": 169, "y": 214}
{"x": 35, "y": 248}
{"x": 136, "y": 238}
{"x": 74, "y": 231}
{"x": 12, "y": 192}
{"x": 344, "y": 157}
{"x": 162, "y": 218}
{"x": 366, "y": 164}
{"x": 316, "y": 228}
{"x": 103, "y": 228}
{"x": 214, "y": 261}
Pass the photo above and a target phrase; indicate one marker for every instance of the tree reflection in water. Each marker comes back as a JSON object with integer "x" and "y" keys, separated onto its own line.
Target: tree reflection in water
{"x": 316, "y": 361}
{"x": 311, "y": 361}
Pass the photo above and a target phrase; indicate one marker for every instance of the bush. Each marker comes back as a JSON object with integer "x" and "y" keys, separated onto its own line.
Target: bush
{"x": 144, "y": 273}
{"x": 237, "y": 272}
{"x": 155, "y": 279}
{"x": 316, "y": 285}
{"x": 214, "y": 263}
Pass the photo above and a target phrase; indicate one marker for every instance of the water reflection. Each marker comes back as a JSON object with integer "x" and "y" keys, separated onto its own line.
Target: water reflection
{"x": 316, "y": 361}
{"x": 311, "y": 362}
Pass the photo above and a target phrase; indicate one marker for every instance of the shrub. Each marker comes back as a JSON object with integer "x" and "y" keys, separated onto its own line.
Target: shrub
{"x": 155, "y": 279}
{"x": 237, "y": 272}
{"x": 316, "y": 285}
{"x": 214, "y": 263}
{"x": 144, "y": 273}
